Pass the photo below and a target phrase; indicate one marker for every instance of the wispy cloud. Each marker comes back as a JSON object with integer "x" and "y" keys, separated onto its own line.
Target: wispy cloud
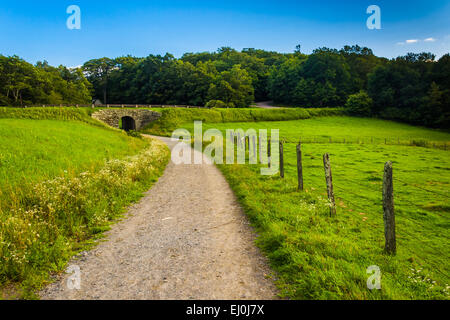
{"x": 413, "y": 41}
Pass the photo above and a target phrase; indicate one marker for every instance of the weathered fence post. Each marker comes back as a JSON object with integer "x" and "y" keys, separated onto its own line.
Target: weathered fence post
{"x": 329, "y": 181}
{"x": 281, "y": 159}
{"x": 269, "y": 152}
{"x": 299, "y": 166}
{"x": 388, "y": 210}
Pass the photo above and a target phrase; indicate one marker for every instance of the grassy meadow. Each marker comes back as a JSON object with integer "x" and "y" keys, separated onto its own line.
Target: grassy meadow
{"x": 320, "y": 257}
{"x": 62, "y": 183}
{"x": 173, "y": 118}
{"x": 66, "y": 177}
{"x": 33, "y": 150}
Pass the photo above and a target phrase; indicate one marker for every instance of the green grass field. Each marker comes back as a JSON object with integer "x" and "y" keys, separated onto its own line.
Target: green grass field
{"x": 319, "y": 257}
{"x": 36, "y": 150}
{"x": 61, "y": 185}
{"x": 172, "y": 118}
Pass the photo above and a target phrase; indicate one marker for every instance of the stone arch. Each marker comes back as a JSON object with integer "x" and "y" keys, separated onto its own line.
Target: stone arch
{"x": 128, "y": 123}
{"x": 141, "y": 117}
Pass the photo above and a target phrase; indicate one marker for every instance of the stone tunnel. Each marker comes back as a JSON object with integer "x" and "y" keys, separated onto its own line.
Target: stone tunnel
{"x": 131, "y": 119}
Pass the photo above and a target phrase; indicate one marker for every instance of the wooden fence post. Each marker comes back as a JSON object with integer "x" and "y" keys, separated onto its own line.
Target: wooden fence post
{"x": 269, "y": 152}
{"x": 281, "y": 159}
{"x": 299, "y": 166}
{"x": 388, "y": 210}
{"x": 329, "y": 181}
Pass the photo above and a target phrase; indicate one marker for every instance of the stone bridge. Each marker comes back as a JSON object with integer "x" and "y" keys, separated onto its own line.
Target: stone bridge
{"x": 130, "y": 119}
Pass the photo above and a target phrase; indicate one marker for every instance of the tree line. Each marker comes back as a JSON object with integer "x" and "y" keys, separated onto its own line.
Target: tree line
{"x": 22, "y": 83}
{"x": 414, "y": 88}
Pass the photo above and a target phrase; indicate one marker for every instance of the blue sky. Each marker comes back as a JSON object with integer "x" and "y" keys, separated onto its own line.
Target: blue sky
{"x": 36, "y": 30}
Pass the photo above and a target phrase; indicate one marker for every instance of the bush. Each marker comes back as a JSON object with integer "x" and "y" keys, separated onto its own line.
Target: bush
{"x": 359, "y": 104}
{"x": 134, "y": 133}
{"x": 216, "y": 104}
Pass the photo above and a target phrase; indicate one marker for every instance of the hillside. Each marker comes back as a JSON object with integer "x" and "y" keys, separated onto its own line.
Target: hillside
{"x": 62, "y": 182}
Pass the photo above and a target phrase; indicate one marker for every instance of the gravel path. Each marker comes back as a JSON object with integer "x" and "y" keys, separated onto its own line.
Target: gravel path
{"x": 187, "y": 239}
{"x": 267, "y": 105}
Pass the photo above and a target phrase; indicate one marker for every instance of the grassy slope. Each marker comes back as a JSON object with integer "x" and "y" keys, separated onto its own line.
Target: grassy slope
{"x": 353, "y": 130}
{"x": 57, "y": 191}
{"x": 172, "y": 119}
{"x": 33, "y": 150}
{"x": 319, "y": 257}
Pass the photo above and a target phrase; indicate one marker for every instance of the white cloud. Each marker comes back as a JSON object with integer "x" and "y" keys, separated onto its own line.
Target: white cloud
{"x": 412, "y": 41}
{"x": 430, "y": 40}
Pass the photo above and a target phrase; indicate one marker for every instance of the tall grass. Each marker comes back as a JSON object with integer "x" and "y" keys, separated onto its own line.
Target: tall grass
{"x": 62, "y": 183}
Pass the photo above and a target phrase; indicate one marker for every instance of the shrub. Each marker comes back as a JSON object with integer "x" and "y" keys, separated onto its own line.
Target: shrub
{"x": 134, "y": 133}
{"x": 359, "y": 104}
{"x": 216, "y": 104}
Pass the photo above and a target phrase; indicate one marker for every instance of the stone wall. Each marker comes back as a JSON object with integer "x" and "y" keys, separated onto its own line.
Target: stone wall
{"x": 112, "y": 116}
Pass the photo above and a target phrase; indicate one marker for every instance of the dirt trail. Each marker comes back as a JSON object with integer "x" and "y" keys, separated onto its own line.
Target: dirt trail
{"x": 267, "y": 105}
{"x": 186, "y": 239}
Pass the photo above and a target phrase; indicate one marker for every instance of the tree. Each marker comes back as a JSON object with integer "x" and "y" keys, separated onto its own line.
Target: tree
{"x": 98, "y": 71}
{"x": 233, "y": 87}
{"x": 359, "y": 104}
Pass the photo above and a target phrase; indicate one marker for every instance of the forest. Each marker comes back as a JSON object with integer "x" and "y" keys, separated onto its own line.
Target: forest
{"x": 414, "y": 88}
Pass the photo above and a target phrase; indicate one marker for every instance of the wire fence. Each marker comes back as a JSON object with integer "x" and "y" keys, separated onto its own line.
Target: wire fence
{"x": 396, "y": 141}
{"x": 347, "y": 189}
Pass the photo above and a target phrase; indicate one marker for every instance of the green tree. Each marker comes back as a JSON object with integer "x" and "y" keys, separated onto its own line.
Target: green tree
{"x": 233, "y": 87}
{"x": 359, "y": 104}
{"x": 98, "y": 71}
